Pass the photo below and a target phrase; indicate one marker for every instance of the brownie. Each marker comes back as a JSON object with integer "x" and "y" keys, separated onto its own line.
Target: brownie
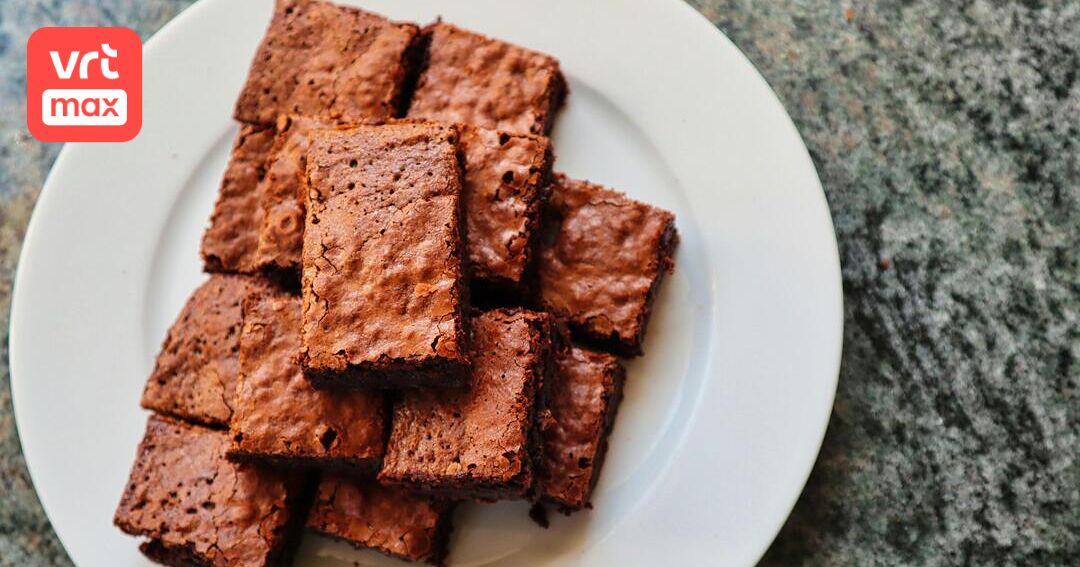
{"x": 473, "y": 79}
{"x": 197, "y": 508}
{"x": 280, "y": 418}
{"x": 281, "y": 195}
{"x": 583, "y": 398}
{"x": 391, "y": 520}
{"x": 504, "y": 176}
{"x": 602, "y": 257}
{"x": 477, "y": 442}
{"x": 194, "y": 377}
{"x": 229, "y": 244}
{"x": 383, "y": 286}
{"x": 328, "y": 61}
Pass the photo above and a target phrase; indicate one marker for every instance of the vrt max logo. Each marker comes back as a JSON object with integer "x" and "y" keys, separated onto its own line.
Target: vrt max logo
{"x": 84, "y": 84}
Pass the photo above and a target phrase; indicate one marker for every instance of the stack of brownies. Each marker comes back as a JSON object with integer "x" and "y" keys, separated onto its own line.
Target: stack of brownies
{"x": 399, "y": 290}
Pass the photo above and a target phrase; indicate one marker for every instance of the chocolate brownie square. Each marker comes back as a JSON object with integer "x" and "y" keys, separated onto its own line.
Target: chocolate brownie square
{"x": 324, "y": 60}
{"x": 281, "y": 195}
{"x": 280, "y": 418}
{"x": 390, "y": 520}
{"x": 504, "y": 176}
{"x": 194, "y": 377}
{"x": 477, "y": 441}
{"x": 197, "y": 508}
{"x": 229, "y": 244}
{"x": 383, "y": 278}
{"x": 473, "y": 79}
{"x": 602, "y": 257}
{"x": 583, "y": 398}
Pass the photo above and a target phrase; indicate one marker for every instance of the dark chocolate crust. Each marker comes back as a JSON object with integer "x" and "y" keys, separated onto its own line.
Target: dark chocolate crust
{"x": 327, "y": 61}
{"x": 582, "y": 403}
{"x": 391, "y": 374}
{"x": 383, "y": 286}
{"x": 197, "y": 508}
{"x": 558, "y": 90}
{"x": 230, "y": 242}
{"x": 280, "y": 418}
{"x": 390, "y": 520}
{"x": 473, "y": 79}
{"x": 602, "y": 258}
{"x": 194, "y": 377}
{"x": 504, "y": 176}
{"x": 477, "y": 442}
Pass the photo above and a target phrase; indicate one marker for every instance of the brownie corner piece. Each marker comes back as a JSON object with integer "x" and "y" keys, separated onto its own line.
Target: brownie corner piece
{"x": 383, "y": 283}
{"x": 194, "y": 375}
{"x": 194, "y": 507}
{"x": 505, "y": 175}
{"x": 391, "y": 520}
{"x": 582, "y": 402}
{"x": 230, "y": 241}
{"x": 474, "y": 79}
{"x": 330, "y": 61}
{"x": 279, "y": 418}
{"x": 602, "y": 258}
{"x": 477, "y": 442}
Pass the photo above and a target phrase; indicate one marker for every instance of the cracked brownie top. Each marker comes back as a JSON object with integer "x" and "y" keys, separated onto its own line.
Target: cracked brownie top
{"x": 279, "y": 416}
{"x": 583, "y": 398}
{"x": 281, "y": 195}
{"x": 230, "y": 242}
{"x": 504, "y": 176}
{"x": 392, "y": 520}
{"x": 382, "y": 279}
{"x": 194, "y": 377}
{"x": 328, "y": 61}
{"x": 602, "y": 257}
{"x": 474, "y": 79}
{"x": 188, "y": 499}
{"x": 476, "y": 442}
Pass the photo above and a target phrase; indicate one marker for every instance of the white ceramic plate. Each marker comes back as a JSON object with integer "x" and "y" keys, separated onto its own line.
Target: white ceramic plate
{"x": 723, "y": 417}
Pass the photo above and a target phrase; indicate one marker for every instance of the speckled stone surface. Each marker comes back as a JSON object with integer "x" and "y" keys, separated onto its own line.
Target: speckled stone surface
{"x": 947, "y": 136}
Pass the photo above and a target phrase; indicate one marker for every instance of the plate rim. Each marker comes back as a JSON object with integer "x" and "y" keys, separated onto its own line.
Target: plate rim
{"x": 822, "y": 197}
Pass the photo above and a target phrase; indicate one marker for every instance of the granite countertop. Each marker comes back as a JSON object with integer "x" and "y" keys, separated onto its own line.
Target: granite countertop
{"x": 947, "y": 137}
